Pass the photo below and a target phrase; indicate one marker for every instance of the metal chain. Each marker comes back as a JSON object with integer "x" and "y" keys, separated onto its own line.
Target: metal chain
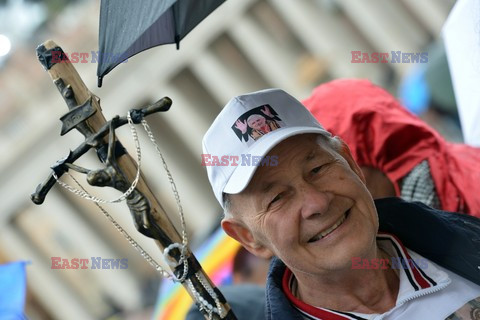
{"x": 134, "y": 244}
{"x": 204, "y": 304}
{"x": 172, "y": 182}
{"x": 206, "y": 285}
{"x": 86, "y": 195}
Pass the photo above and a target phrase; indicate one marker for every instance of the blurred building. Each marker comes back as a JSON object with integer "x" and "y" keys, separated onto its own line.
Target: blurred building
{"x": 243, "y": 46}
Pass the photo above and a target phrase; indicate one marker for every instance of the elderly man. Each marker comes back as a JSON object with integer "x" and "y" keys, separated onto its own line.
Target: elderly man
{"x": 314, "y": 214}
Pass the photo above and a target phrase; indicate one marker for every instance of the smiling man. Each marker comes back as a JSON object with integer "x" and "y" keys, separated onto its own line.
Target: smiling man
{"x": 314, "y": 214}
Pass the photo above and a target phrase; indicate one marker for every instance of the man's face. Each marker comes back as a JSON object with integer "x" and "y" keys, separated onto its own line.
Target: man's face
{"x": 257, "y": 122}
{"x": 312, "y": 211}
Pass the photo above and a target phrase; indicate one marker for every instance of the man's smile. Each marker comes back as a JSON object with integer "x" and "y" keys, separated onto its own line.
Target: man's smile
{"x": 329, "y": 230}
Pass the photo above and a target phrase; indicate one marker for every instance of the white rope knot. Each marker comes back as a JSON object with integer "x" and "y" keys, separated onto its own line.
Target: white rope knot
{"x": 171, "y": 261}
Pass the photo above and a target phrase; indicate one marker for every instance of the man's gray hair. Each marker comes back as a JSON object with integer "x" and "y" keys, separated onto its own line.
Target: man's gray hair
{"x": 254, "y": 117}
{"x": 227, "y": 205}
{"x": 333, "y": 141}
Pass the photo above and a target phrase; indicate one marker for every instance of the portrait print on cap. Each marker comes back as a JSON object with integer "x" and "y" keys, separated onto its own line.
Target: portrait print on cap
{"x": 256, "y": 123}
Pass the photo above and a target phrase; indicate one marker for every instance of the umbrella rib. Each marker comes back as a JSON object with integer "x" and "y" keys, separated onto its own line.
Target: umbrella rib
{"x": 177, "y": 36}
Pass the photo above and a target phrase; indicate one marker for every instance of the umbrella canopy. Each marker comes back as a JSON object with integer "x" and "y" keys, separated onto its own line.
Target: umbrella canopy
{"x": 128, "y": 27}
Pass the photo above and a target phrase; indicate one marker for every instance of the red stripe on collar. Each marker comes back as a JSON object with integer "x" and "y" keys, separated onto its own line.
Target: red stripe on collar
{"x": 420, "y": 277}
{"x": 320, "y": 313}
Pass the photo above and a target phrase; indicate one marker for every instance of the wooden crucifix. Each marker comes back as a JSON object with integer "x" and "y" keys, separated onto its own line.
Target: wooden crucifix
{"x": 119, "y": 172}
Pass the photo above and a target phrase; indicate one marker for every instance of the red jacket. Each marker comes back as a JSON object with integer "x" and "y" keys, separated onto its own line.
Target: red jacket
{"x": 381, "y": 133}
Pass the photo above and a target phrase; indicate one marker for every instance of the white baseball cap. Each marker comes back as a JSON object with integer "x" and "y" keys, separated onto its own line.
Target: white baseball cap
{"x": 247, "y": 128}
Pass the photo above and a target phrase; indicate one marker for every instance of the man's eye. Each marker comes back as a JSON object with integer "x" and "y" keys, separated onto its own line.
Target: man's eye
{"x": 276, "y": 198}
{"x": 316, "y": 169}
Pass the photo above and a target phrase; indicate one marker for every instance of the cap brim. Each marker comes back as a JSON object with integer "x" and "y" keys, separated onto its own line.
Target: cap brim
{"x": 242, "y": 175}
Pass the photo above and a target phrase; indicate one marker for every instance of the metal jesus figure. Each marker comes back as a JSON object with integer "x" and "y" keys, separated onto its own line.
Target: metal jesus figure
{"x": 112, "y": 176}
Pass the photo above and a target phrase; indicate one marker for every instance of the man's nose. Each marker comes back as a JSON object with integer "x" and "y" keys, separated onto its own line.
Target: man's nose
{"x": 314, "y": 201}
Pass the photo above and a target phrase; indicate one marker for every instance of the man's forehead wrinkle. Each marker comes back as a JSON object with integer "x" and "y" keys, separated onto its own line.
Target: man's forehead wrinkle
{"x": 264, "y": 181}
{"x": 316, "y": 152}
{"x": 266, "y": 186}
{"x": 311, "y": 155}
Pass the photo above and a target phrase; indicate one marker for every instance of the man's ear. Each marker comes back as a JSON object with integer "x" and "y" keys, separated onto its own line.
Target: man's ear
{"x": 238, "y": 231}
{"x": 347, "y": 155}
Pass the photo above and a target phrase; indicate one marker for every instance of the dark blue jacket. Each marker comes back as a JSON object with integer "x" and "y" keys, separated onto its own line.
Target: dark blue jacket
{"x": 451, "y": 240}
{"x": 246, "y": 300}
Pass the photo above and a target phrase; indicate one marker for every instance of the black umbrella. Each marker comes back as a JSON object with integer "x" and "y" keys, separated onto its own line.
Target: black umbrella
{"x": 128, "y": 27}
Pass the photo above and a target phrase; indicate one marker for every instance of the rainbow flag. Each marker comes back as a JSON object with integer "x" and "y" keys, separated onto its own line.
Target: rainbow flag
{"x": 216, "y": 257}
